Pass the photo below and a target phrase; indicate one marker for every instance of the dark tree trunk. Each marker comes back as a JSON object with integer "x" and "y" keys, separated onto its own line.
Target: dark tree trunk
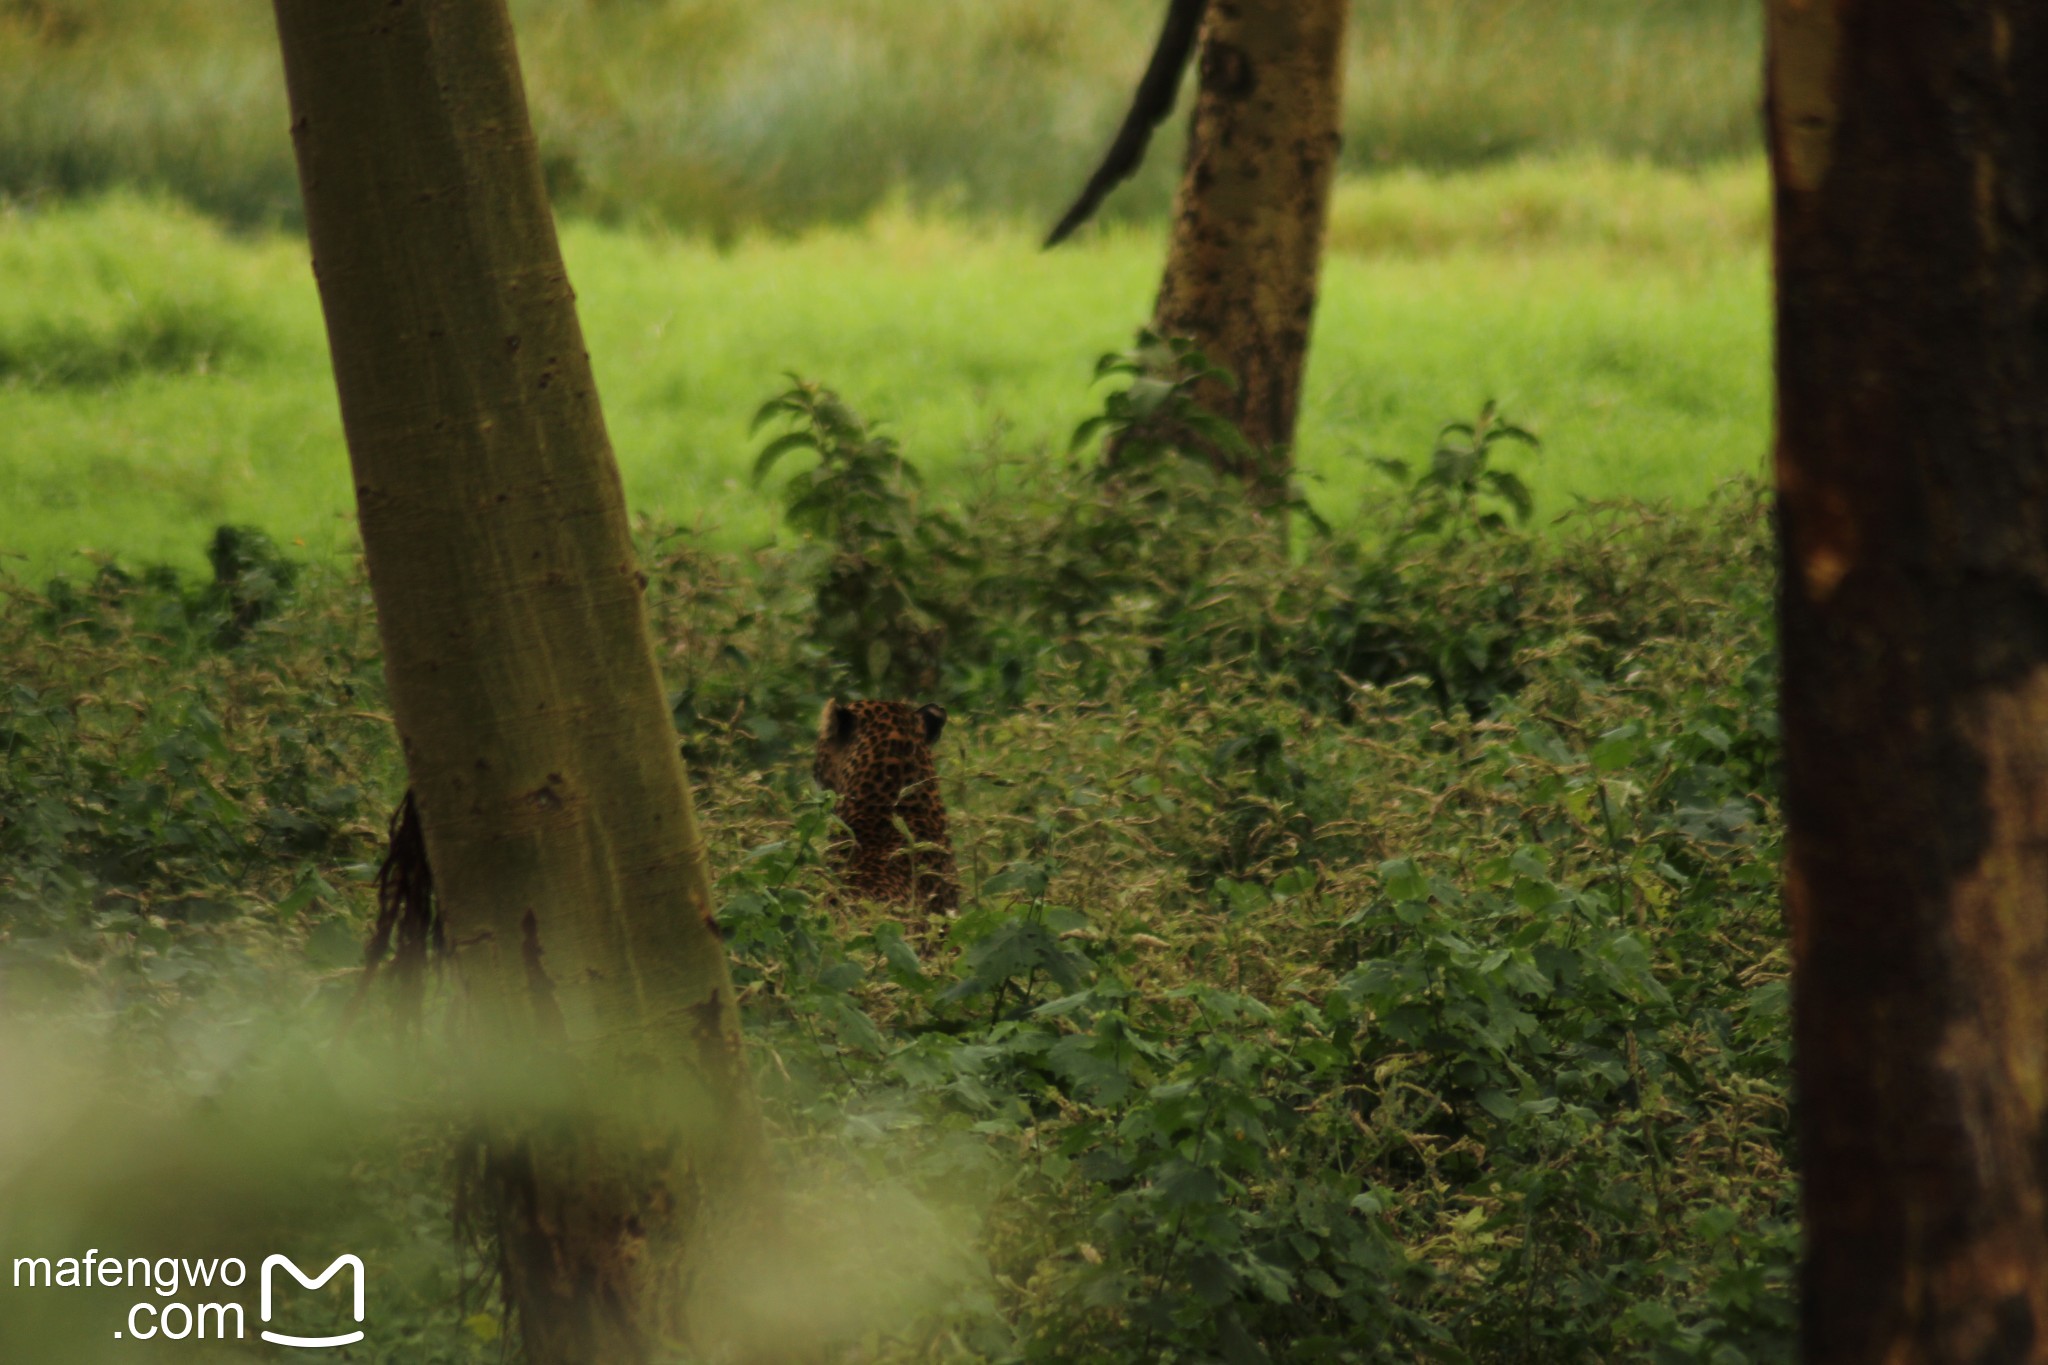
{"x": 556, "y": 813}
{"x": 1250, "y": 215}
{"x": 1909, "y": 149}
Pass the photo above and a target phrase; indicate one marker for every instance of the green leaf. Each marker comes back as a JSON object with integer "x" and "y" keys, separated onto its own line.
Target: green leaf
{"x": 310, "y": 890}
{"x": 1513, "y": 489}
{"x": 1085, "y": 432}
{"x": 1092, "y": 1070}
{"x": 901, "y": 958}
{"x": 1019, "y": 947}
{"x": 779, "y": 447}
{"x": 783, "y": 403}
{"x": 334, "y": 942}
{"x": 1402, "y": 882}
{"x": 1029, "y": 877}
{"x": 1296, "y": 881}
{"x": 1115, "y": 362}
{"x": 1617, "y": 749}
{"x": 852, "y": 1025}
{"x": 1189, "y": 1186}
{"x": 1453, "y": 468}
{"x": 1239, "y": 1348}
{"x": 1497, "y": 1103}
{"x": 1146, "y": 395}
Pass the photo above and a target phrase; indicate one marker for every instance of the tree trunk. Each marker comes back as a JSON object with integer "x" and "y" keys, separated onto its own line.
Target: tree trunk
{"x": 1909, "y": 148}
{"x": 1250, "y": 215}
{"x": 556, "y": 811}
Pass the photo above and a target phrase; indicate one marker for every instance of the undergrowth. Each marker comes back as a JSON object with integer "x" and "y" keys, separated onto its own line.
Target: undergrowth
{"x": 1370, "y": 947}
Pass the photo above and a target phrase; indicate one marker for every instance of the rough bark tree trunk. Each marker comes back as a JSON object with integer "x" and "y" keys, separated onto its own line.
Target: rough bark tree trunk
{"x": 1249, "y": 218}
{"x": 556, "y": 811}
{"x": 1909, "y": 147}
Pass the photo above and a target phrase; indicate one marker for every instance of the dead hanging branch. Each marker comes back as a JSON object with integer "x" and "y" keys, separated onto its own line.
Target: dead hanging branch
{"x": 1149, "y": 108}
{"x": 405, "y": 912}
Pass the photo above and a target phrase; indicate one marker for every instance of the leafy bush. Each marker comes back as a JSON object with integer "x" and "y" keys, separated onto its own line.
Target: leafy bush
{"x": 1370, "y": 954}
{"x": 1502, "y": 1099}
{"x": 1443, "y": 1016}
{"x": 875, "y": 613}
{"x": 1445, "y": 500}
{"x": 177, "y": 758}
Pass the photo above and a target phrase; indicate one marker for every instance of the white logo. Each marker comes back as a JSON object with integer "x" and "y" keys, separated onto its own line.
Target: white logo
{"x": 279, "y": 1338}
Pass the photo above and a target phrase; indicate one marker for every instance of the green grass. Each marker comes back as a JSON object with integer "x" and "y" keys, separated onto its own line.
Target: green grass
{"x": 159, "y": 375}
{"x": 716, "y": 114}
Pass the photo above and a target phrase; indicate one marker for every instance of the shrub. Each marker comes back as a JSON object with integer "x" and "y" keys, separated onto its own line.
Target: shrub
{"x": 1370, "y": 954}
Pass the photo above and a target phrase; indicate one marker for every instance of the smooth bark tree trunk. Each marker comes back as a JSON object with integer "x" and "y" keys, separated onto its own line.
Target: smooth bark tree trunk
{"x": 1909, "y": 148}
{"x": 1250, "y": 216}
{"x": 555, "y": 808}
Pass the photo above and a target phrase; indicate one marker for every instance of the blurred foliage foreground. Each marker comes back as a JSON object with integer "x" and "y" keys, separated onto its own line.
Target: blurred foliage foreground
{"x": 1369, "y": 953}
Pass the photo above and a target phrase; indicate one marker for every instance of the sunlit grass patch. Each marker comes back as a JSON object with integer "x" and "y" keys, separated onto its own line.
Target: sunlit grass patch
{"x": 142, "y": 290}
{"x": 1620, "y": 311}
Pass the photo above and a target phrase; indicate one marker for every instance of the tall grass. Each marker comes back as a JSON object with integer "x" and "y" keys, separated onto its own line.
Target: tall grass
{"x": 1453, "y": 82}
{"x": 717, "y": 114}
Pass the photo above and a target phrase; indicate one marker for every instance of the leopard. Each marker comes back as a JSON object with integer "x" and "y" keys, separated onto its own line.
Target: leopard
{"x": 877, "y": 756}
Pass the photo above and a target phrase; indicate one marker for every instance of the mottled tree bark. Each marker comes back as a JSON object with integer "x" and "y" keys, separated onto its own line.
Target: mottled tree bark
{"x": 1249, "y": 219}
{"x": 1909, "y": 148}
{"x": 556, "y": 812}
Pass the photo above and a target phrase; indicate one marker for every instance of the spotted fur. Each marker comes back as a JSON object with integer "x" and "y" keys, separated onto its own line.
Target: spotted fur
{"x": 877, "y": 755}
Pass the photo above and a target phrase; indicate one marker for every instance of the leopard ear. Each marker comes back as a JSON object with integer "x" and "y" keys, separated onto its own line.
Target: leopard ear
{"x": 837, "y": 722}
{"x": 934, "y": 717}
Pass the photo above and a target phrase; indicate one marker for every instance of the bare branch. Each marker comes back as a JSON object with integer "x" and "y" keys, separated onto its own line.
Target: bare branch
{"x": 1149, "y": 108}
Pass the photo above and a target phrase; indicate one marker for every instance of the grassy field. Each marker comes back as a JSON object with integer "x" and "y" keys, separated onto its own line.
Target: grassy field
{"x": 718, "y": 115}
{"x": 160, "y": 375}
